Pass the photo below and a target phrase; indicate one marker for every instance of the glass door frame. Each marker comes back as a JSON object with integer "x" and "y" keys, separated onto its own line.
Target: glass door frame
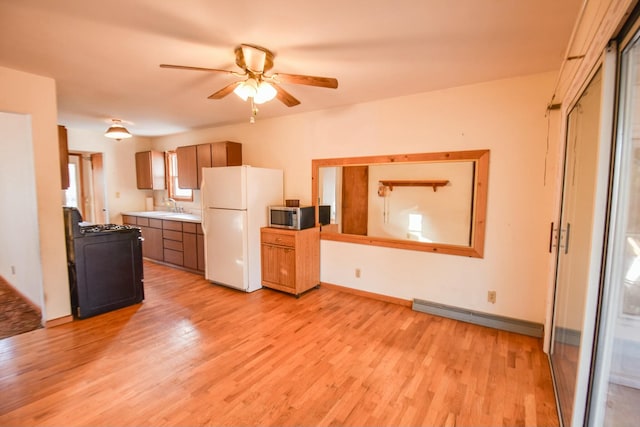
{"x": 606, "y": 317}
{"x": 608, "y": 64}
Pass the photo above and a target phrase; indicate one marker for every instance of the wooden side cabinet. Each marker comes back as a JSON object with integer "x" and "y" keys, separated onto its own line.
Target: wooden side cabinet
{"x": 290, "y": 259}
{"x": 150, "y": 170}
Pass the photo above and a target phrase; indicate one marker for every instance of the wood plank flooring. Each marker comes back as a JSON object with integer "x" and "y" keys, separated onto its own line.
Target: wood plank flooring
{"x": 194, "y": 354}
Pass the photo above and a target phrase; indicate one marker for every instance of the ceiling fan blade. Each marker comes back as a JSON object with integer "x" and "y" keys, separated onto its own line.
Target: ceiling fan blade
{"x": 285, "y": 97}
{"x": 186, "y": 67}
{"x": 224, "y": 91}
{"x": 328, "y": 82}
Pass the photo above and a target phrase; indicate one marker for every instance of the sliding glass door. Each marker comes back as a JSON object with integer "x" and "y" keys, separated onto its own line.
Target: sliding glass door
{"x": 615, "y": 399}
{"x": 595, "y": 345}
{"x": 580, "y": 239}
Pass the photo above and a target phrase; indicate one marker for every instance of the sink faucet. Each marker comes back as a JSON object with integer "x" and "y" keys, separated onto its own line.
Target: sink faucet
{"x": 175, "y": 204}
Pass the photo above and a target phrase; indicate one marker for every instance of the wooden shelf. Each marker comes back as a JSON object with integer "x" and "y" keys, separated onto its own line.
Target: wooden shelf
{"x": 415, "y": 183}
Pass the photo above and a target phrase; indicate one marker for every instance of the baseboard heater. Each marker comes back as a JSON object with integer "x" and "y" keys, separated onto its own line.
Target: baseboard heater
{"x": 478, "y": 318}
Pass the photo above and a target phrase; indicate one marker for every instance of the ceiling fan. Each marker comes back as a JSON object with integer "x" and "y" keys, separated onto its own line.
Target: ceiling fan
{"x": 255, "y": 62}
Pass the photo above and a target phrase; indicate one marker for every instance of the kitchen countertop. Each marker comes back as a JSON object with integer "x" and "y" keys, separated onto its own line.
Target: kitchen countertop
{"x": 175, "y": 216}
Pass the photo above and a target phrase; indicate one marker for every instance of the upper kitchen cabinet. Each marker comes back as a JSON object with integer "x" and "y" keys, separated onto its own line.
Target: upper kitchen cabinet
{"x": 150, "y": 170}
{"x": 64, "y": 156}
{"x": 192, "y": 158}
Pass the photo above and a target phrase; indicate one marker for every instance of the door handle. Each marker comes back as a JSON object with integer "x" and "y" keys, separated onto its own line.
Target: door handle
{"x": 559, "y": 237}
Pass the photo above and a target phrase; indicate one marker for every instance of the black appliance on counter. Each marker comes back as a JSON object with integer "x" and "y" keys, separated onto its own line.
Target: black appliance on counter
{"x": 105, "y": 265}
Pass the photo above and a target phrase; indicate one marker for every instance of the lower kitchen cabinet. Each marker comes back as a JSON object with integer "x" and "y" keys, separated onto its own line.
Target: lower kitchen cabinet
{"x": 200, "y": 248}
{"x": 151, "y": 231}
{"x": 179, "y": 243}
{"x": 190, "y": 246}
{"x": 290, "y": 259}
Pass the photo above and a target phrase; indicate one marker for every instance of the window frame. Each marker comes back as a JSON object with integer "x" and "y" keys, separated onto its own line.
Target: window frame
{"x": 172, "y": 178}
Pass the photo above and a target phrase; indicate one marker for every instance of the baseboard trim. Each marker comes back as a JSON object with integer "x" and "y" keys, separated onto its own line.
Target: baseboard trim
{"x": 479, "y": 318}
{"x": 58, "y": 321}
{"x": 372, "y": 295}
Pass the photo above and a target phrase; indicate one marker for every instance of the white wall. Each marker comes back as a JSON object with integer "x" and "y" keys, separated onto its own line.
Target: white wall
{"x": 18, "y": 215}
{"x": 506, "y": 116}
{"x": 25, "y": 93}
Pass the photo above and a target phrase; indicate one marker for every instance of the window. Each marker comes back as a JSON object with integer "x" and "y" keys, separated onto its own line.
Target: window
{"x": 175, "y": 192}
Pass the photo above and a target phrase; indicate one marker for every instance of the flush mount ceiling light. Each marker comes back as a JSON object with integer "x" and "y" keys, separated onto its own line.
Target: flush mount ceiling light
{"x": 117, "y": 130}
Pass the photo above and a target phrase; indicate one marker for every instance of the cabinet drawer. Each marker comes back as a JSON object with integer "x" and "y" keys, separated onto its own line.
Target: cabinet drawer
{"x": 172, "y": 225}
{"x": 155, "y": 223}
{"x": 199, "y": 229}
{"x": 172, "y": 244}
{"x": 172, "y": 235}
{"x": 189, "y": 227}
{"x": 173, "y": 257}
{"x": 130, "y": 220}
{"x": 144, "y": 222}
{"x": 278, "y": 239}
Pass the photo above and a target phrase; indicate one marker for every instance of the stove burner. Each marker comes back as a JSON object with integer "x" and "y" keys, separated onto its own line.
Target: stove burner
{"x": 99, "y": 228}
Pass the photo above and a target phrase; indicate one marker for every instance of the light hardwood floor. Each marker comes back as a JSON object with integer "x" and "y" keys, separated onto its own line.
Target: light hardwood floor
{"x": 200, "y": 354}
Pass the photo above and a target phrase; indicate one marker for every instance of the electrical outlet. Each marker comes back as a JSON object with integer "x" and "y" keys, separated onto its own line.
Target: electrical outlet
{"x": 491, "y": 297}
{"x": 358, "y": 273}
{"x": 13, "y": 270}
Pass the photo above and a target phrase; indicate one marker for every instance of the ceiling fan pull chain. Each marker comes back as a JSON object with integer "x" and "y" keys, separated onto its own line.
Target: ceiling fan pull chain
{"x": 254, "y": 112}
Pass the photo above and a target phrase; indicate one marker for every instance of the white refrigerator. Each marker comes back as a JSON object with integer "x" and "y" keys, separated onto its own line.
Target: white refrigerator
{"x": 235, "y": 201}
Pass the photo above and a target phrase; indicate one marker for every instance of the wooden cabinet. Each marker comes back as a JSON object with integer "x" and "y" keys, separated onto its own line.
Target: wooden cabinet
{"x": 187, "y": 167}
{"x": 226, "y": 153}
{"x": 200, "y": 247}
{"x": 172, "y": 242}
{"x": 150, "y": 170}
{"x": 179, "y": 243}
{"x": 151, "y": 231}
{"x": 192, "y": 158}
{"x": 290, "y": 259}
{"x": 190, "y": 245}
{"x": 63, "y": 149}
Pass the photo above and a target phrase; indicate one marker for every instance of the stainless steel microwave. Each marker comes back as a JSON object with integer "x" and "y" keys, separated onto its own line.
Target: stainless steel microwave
{"x": 294, "y": 218}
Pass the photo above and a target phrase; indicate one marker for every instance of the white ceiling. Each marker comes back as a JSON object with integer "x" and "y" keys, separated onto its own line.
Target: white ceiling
{"x": 104, "y": 55}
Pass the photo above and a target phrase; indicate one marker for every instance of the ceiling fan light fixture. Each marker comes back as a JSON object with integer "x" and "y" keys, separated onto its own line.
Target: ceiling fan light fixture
{"x": 247, "y": 89}
{"x": 117, "y": 131}
{"x": 266, "y": 92}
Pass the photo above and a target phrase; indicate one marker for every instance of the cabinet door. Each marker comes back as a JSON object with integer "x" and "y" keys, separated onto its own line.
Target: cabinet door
{"x": 158, "y": 177}
{"x": 143, "y": 170}
{"x": 190, "y": 250}
{"x": 187, "y": 166}
{"x": 279, "y": 266}
{"x": 203, "y": 155}
{"x": 226, "y": 154}
{"x": 150, "y": 170}
{"x": 200, "y": 251}
{"x": 152, "y": 244}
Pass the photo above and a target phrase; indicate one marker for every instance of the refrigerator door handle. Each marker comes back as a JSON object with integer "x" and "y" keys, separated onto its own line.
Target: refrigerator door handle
{"x": 203, "y": 215}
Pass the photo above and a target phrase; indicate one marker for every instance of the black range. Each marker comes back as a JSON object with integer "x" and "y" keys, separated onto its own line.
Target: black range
{"x": 104, "y": 263}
